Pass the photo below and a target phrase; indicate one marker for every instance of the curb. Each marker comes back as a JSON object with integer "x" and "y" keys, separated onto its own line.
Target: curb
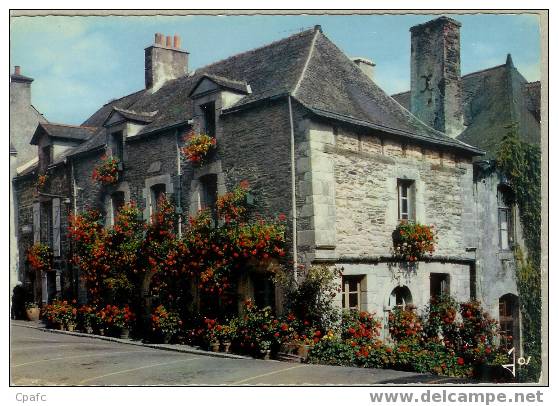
{"x": 165, "y": 347}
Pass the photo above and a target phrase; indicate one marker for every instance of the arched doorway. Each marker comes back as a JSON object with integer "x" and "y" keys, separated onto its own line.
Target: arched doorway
{"x": 509, "y": 320}
{"x": 400, "y": 296}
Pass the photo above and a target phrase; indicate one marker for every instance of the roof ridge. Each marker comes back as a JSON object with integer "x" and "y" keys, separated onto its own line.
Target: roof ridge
{"x": 70, "y": 125}
{"x": 483, "y": 70}
{"x": 123, "y": 97}
{"x": 308, "y": 58}
{"x": 300, "y": 34}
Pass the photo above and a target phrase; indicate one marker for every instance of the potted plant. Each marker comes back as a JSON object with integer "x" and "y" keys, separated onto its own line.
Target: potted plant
{"x": 87, "y": 319}
{"x": 33, "y": 311}
{"x": 107, "y": 171}
{"x": 198, "y": 147}
{"x": 165, "y": 324}
{"x": 40, "y": 257}
{"x": 412, "y": 241}
{"x": 122, "y": 320}
{"x": 212, "y": 334}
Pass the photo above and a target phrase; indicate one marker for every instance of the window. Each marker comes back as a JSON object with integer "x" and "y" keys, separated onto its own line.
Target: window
{"x": 509, "y": 320}
{"x": 117, "y": 201}
{"x": 505, "y": 219}
{"x": 46, "y": 157}
{"x": 117, "y": 145}
{"x": 264, "y": 290}
{"x": 208, "y": 111}
{"x": 400, "y": 296}
{"x": 208, "y": 194}
{"x": 351, "y": 288}
{"x": 157, "y": 193}
{"x": 47, "y": 229}
{"x": 406, "y": 195}
{"x": 439, "y": 284}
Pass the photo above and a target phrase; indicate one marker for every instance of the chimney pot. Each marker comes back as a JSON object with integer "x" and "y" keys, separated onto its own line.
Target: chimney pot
{"x": 176, "y": 41}
{"x": 169, "y": 41}
{"x": 17, "y": 70}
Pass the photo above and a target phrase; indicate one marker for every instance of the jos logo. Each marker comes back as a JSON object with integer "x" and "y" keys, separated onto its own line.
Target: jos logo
{"x": 520, "y": 361}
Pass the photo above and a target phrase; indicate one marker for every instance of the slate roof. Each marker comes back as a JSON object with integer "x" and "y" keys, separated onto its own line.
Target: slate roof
{"x": 70, "y": 132}
{"x": 493, "y": 98}
{"x": 224, "y": 82}
{"x": 307, "y": 66}
{"x": 141, "y": 117}
{"x": 20, "y": 78}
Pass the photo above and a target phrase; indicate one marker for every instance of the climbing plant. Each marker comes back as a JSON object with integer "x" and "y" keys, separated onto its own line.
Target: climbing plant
{"x": 520, "y": 163}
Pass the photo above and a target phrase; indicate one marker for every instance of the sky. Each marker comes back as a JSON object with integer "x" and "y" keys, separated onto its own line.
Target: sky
{"x": 81, "y": 63}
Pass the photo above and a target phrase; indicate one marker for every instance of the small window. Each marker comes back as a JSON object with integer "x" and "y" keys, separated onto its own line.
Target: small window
{"x": 117, "y": 144}
{"x": 351, "y": 288}
{"x": 400, "y": 297}
{"x": 208, "y": 111}
{"x": 264, "y": 290}
{"x": 46, "y": 157}
{"x": 47, "y": 227}
{"x": 208, "y": 195}
{"x": 406, "y": 199}
{"x": 117, "y": 201}
{"x": 505, "y": 219}
{"x": 157, "y": 193}
{"x": 439, "y": 284}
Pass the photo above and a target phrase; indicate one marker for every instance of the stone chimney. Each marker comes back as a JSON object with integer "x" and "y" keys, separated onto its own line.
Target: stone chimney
{"x": 164, "y": 61}
{"x": 436, "y": 75}
{"x": 366, "y": 66}
{"x": 20, "y": 88}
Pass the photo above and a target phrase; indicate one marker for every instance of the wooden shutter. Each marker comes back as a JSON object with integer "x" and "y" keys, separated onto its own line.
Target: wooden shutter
{"x": 56, "y": 227}
{"x": 36, "y": 223}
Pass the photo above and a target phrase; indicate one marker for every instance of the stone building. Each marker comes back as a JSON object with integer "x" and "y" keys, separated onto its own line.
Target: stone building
{"x": 24, "y": 118}
{"x": 482, "y": 105}
{"x": 317, "y": 140}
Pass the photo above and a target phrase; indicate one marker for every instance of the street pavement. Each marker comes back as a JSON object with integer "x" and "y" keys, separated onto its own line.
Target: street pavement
{"x": 39, "y": 358}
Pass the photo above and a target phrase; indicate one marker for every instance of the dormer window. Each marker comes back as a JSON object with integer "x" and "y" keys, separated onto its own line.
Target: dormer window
{"x": 46, "y": 157}
{"x": 208, "y": 112}
{"x": 117, "y": 145}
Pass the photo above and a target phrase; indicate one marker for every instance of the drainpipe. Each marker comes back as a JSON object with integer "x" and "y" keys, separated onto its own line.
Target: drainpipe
{"x": 293, "y": 189}
{"x": 179, "y": 185}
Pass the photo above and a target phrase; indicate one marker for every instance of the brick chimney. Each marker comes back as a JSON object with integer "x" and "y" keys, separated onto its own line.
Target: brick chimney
{"x": 164, "y": 61}
{"x": 436, "y": 75}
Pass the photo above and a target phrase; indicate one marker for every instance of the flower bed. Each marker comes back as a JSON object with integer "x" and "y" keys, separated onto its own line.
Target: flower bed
{"x": 412, "y": 241}
{"x": 107, "y": 171}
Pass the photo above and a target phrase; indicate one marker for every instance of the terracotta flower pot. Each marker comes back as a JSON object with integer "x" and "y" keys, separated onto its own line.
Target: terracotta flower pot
{"x": 215, "y": 346}
{"x": 89, "y": 330}
{"x": 71, "y": 327}
{"x": 33, "y": 313}
{"x": 226, "y": 346}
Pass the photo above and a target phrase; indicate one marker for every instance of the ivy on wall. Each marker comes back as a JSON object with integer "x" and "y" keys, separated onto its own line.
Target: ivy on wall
{"x": 520, "y": 163}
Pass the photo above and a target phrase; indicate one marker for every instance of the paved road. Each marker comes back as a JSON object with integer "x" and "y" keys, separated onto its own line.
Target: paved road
{"x": 43, "y": 358}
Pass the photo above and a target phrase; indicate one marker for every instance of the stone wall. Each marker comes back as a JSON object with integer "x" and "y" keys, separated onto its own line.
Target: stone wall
{"x": 496, "y": 267}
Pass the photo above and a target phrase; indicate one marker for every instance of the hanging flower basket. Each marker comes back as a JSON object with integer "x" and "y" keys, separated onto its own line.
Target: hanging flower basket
{"x": 198, "y": 147}
{"x": 412, "y": 241}
{"x": 40, "y": 257}
{"x": 107, "y": 171}
{"x": 41, "y": 182}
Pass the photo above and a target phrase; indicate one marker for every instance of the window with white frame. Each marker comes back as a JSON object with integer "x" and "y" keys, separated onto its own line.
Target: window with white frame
{"x": 351, "y": 292}
{"x": 505, "y": 218}
{"x": 406, "y": 199}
